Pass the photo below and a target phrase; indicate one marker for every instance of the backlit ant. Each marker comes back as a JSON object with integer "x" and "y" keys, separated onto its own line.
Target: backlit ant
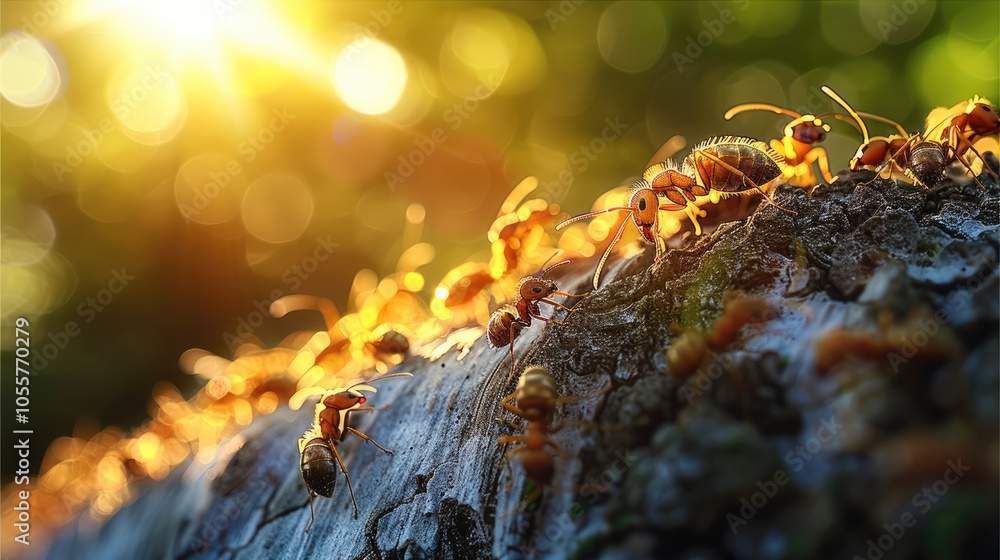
{"x": 972, "y": 121}
{"x": 643, "y": 208}
{"x": 536, "y": 403}
{"x": 508, "y": 320}
{"x": 319, "y": 458}
{"x": 921, "y": 160}
{"x": 718, "y": 167}
{"x": 797, "y": 144}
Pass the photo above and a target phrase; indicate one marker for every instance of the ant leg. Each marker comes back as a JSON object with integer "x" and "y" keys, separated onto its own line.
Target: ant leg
{"x": 891, "y": 162}
{"x": 548, "y": 320}
{"x": 819, "y": 156}
{"x": 513, "y": 334}
{"x": 688, "y": 209}
{"x": 343, "y": 469}
{"x": 502, "y": 440}
{"x": 607, "y": 253}
{"x": 968, "y": 145}
{"x": 561, "y": 293}
{"x": 368, "y": 439}
{"x": 511, "y": 408}
{"x": 556, "y": 304}
{"x": 312, "y": 513}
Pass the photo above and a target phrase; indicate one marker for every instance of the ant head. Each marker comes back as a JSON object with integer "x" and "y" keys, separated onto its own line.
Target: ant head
{"x": 808, "y": 130}
{"x": 534, "y": 287}
{"x": 984, "y": 119}
{"x": 645, "y": 212}
{"x": 347, "y": 399}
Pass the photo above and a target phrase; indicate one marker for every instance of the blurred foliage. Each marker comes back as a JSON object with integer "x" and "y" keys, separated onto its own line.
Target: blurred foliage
{"x": 226, "y": 153}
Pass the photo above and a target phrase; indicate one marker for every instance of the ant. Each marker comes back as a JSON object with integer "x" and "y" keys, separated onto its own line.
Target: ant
{"x": 797, "y": 143}
{"x": 508, "y": 320}
{"x": 921, "y": 160}
{"x": 973, "y": 120}
{"x": 643, "y": 208}
{"x": 717, "y": 167}
{"x": 319, "y": 457}
{"x": 536, "y": 403}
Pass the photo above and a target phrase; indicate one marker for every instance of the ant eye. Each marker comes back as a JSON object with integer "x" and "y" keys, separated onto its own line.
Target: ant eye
{"x": 537, "y": 289}
{"x": 642, "y": 204}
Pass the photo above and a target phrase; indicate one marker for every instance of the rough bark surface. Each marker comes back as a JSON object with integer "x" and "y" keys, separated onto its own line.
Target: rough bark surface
{"x": 694, "y": 468}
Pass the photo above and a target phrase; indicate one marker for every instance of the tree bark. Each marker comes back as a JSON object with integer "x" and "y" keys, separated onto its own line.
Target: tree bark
{"x": 761, "y": 453}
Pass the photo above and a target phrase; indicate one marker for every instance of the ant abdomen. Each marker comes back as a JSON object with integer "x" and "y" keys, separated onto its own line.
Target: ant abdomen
{"x": 716, "y": 160}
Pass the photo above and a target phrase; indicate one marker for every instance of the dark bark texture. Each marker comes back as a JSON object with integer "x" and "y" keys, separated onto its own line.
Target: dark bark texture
{"x": 795, "y": 440}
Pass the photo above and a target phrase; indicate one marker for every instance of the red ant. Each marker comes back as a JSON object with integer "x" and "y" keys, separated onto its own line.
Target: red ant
{"x": 643, "y": 208}
{"x": 319, "y": 457}
{"x": 921, "y": 160}
{"x": 718, "y": 167}
{"x": 508, "y": 320}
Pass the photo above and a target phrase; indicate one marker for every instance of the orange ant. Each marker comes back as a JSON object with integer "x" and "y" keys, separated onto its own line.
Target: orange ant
{"x": 508, "y": 320}
{"x": 536, "y": 403}
{"x": 643, "y": 208}
{"x": 973, "y": 120}
{"x": 718, "y": 167}
{"x": 797, "y": 144}
{"x": 319, "y": 457}
{"x": 921, "y": 160}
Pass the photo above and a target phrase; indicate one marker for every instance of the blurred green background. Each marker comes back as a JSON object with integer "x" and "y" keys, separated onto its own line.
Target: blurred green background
{"x": 204, "y": 148}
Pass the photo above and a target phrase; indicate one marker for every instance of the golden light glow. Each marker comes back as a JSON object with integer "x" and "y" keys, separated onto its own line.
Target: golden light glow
{"x": 29, "y": 76}
{"x": 369, "y": 76}
{"x": 277, "y": 208}
{"x": 413, "y": 281}
{"x": 148, "y": 101}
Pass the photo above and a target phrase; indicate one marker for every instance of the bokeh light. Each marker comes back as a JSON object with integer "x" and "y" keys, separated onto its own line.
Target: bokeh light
{"x": 277, "y": 208}
{"x": 370, "y": 76}
{"x": 29, "y": 75}
{"x": 632, "y": 35}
